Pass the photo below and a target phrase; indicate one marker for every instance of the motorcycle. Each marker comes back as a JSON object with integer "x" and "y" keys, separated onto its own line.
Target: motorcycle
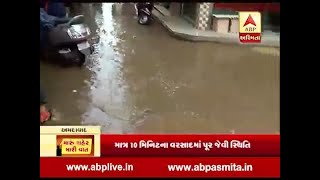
{"x": 67, "y": 41}
{"x": 144, "y": 13}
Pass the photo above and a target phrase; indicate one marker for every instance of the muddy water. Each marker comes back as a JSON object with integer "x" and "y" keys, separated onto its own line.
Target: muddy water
{"x": 142, "y": 80}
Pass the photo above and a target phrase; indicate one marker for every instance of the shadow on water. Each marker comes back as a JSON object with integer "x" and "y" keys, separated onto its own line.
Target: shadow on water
{"x": 141, "y": 80}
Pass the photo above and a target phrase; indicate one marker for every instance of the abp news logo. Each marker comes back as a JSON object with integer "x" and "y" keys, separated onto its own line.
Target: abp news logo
{"x": 250, "y": 27}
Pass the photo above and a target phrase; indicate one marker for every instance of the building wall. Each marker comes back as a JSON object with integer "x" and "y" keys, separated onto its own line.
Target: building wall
{"x": 270, "y": 7}
{"x": 201, "y": 17}
{"x": 269, "y": 22}
{"x": 175, "y": 9}
{"x": 204, "y": 14}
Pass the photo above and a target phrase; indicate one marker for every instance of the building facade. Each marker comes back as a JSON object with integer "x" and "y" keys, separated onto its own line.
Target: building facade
{"x": 222, "y": 17}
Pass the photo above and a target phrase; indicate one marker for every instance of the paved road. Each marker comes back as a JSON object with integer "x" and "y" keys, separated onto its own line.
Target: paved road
{"x": 142, "y": 80}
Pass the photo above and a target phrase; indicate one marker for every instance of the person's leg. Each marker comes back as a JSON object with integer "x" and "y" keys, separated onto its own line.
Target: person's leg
{"x": 44, "y": 113}
{"x": 43, "y": 108}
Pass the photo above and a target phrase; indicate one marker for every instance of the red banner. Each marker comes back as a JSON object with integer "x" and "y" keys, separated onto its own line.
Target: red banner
{"x": 160, "y": 167}
{"x": 262, "y": 7}
{"x": 191, "y": 145}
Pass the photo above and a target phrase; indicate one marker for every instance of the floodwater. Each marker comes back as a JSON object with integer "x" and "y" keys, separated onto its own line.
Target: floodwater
{"x": 142, "y": 80}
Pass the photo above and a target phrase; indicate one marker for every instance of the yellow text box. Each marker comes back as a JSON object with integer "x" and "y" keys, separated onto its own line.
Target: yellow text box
{"x": 76, "y": 146}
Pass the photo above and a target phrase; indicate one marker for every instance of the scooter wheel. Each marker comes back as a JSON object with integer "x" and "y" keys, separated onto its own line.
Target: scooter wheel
{"x": 143, "y": 20}
{"x": 82, "y": 59}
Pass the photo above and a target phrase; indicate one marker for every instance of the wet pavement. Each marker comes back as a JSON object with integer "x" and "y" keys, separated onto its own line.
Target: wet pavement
{"x": 142, "y": 80}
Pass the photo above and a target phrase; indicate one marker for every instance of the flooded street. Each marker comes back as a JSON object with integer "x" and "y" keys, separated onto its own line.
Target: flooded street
{"x": 142, "y": 80}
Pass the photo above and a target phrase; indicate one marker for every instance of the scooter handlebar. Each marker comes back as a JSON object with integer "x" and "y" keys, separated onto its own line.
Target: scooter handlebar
{"x": 76, "y": 20}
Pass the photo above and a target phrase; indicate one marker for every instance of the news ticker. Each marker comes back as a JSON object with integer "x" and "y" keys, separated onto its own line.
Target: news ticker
{"x": 86, "y": 141}
{"x": 152, "y": 155}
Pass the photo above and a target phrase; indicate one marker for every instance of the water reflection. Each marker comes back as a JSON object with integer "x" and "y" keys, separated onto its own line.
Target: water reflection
{"x": 109, "y": 105}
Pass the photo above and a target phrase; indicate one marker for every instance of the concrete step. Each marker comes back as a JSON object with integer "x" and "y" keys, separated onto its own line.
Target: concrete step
{"x": 162, "y": 10}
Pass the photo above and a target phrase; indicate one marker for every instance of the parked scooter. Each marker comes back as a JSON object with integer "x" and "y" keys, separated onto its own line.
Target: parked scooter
{"x": 144, "y": 13}
{"x": 67, "y": 40}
